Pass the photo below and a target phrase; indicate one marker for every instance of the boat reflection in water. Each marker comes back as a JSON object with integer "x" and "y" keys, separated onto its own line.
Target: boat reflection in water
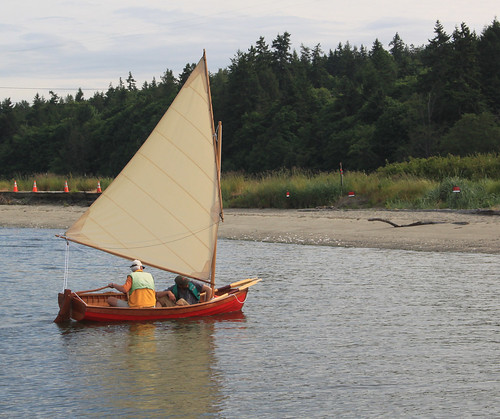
{"x": 149, "y": 369}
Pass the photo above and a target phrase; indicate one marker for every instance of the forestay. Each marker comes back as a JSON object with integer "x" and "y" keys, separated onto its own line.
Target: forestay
{"x": 164, "y": 207}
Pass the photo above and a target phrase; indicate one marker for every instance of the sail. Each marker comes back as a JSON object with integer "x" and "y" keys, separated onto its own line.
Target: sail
{"x": 164, "y": 207}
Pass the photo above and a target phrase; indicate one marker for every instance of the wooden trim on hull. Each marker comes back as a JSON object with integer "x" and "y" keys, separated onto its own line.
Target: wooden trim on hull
{"x": 83, "y": 311}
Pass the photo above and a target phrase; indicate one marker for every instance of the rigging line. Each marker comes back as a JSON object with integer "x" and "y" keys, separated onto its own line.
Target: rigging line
{"x": 50, "y": 88}
{"x": 66, "y": 266}
{"x": 244, "y": 299}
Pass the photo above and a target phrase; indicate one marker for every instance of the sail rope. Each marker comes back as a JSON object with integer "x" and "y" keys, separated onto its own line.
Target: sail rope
{"x": 66, "y": 266}
{"x": 241, "y": 302}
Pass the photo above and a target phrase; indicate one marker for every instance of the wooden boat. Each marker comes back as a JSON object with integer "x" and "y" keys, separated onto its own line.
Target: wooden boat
{"x": 164, "y": 208}
{"x": 91, "y": 306}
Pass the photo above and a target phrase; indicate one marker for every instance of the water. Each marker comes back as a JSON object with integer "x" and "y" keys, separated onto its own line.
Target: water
{"x": 330, "y": 332}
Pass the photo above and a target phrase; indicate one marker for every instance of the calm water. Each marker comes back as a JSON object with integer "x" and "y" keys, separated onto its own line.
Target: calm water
{"x": 330, "y": 332}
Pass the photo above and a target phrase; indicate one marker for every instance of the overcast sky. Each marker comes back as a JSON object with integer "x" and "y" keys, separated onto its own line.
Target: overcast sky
{"x": 62, "y": 45}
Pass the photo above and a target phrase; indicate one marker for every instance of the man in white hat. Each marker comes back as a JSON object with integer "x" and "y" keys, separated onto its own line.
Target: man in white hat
{"x": 140, "y": 288}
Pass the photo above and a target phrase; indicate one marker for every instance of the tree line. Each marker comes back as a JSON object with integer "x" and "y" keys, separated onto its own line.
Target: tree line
{"x": 282, "y": 108}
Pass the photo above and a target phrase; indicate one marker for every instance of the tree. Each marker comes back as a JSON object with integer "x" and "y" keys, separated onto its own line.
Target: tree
{"x": 433, "y": 81}
{"x": 131, "y": 82}
{"x": 473, "y": 134}
{"x": 378, "y": 72}
{"x": 391, "y": 135}
{"x": 54, "y": 98}
{"x": 8, "y": 121}
{"x": 489, "y": 63}
{"x": 282, "y": 108}
{"x": 263, "y": 55}
{"x": 463, "y": 87}
{"x": 79, "y": 95}
{"x": 186, "y": 72}
{"x": 401, "y": 54}
{"x": 281, "y": 61}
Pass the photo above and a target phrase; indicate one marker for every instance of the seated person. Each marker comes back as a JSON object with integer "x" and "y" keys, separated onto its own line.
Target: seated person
{"x": 139, "y": 286}
{"x": 183, "y": 293}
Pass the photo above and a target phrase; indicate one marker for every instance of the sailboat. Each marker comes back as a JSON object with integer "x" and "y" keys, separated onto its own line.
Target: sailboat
{"x": 164, "y": 208}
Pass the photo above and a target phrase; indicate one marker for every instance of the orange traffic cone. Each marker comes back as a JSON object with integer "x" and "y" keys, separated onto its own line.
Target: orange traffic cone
{"x": 99, "y": 187}
{"x": 66, "y": 189}
{"x": 15, "y": 187}
{"x": 35, "y": 189}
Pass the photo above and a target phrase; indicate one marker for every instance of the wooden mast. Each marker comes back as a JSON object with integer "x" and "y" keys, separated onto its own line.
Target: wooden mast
{"x": 218, "y": 159}
{"x": 217, "y": 154}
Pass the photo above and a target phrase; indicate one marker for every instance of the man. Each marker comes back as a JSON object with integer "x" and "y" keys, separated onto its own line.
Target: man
{"x": 140, "y": 287}
{"x": 183, "y": 293}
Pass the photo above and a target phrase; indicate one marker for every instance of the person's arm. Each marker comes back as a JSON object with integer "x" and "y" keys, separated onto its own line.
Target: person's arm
{"x": 122, "y": 288}
{"x": 168, "y": 293}
{"x": 208, "y": 292}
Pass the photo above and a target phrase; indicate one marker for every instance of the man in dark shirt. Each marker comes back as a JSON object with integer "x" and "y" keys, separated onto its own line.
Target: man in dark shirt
{"x": 184, "y": 292}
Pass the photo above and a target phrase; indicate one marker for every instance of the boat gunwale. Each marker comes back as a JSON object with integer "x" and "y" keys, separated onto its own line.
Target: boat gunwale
{"x": 81, "y": 311}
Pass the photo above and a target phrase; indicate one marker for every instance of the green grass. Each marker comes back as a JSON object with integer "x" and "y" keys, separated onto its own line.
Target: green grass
{"x": 302, "y": 189}
{"x": 51, "y": 182}
{"x": 308, "y": 190}
{"x": 474, "y": 167}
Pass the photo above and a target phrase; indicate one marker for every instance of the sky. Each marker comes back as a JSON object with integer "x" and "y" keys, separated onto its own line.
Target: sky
{"x": 63, "y": 45}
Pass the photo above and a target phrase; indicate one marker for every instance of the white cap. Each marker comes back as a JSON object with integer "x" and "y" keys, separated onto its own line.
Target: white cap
{"x": 136, "y": 264}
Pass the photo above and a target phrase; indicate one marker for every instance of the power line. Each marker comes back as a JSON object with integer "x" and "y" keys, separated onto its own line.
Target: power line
{"x": 50, "y": 88}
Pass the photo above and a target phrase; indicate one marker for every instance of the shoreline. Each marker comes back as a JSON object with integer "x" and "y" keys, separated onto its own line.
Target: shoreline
{"x": 439, "y": 231}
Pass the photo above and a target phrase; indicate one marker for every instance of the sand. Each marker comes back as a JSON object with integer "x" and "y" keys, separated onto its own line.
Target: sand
{"x": 448, "y": 230}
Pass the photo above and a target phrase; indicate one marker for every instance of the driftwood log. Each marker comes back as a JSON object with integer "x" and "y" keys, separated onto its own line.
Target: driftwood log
{"x": 417, "y": 223}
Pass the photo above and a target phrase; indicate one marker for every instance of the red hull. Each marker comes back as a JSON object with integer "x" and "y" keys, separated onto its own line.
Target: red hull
{"x": 92, "y": 307}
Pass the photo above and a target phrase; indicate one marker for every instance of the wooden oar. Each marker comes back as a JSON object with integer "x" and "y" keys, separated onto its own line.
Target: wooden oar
{"x": 235, "y": 284}
{"x": 249, "y": 284}
{"x": 97, "y": 289}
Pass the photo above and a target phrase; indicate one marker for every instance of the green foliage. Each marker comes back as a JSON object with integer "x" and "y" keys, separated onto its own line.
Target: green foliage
{"x": 475, "y": 167}
{"x": 471, "y": 195}
{"x": 473, "y": 133}
{"x": 282, "y": 189}
{"x": 282, "y": 109}
{"x": 53, "y": 182}
{"x": 375, "y": 190}
{"x": 301, "y": 189}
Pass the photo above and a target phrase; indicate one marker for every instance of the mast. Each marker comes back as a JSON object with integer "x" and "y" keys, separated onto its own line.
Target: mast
{"x": 218, "y": 145}
{"x": 217, "y": 138}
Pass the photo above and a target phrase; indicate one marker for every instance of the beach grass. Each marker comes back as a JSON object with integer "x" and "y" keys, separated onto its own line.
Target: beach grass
{"x": 307, "y": 190}
{"x": 303, "y": 189}
{"x": 52, "y": 182}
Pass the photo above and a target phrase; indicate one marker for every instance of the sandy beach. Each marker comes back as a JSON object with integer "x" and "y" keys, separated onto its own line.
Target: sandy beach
{"x": 437, "y": 230}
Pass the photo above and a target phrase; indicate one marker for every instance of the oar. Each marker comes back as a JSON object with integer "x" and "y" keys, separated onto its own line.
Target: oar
{"x": 97, "y": 289}
{"x": 235, "y": 284}
{"x": 249, "y": 284}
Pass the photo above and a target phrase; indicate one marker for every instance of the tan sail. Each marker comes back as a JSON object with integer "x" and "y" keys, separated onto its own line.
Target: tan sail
{"x": 164, "y": 207}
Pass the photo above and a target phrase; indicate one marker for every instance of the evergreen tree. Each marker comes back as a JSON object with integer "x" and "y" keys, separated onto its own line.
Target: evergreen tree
{"x": 463, "y": 90}
{"x": 283, "y": 108}
{"x": 489, "y": 64}
{"x": 402, "y": 56}
{"x": 437, "y": 58}
{"x": 473, "y": 133}
{"x": 79, "y": 95}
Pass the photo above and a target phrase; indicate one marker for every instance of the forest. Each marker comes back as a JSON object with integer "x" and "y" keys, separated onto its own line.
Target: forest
{"x": 366, "y": 107}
